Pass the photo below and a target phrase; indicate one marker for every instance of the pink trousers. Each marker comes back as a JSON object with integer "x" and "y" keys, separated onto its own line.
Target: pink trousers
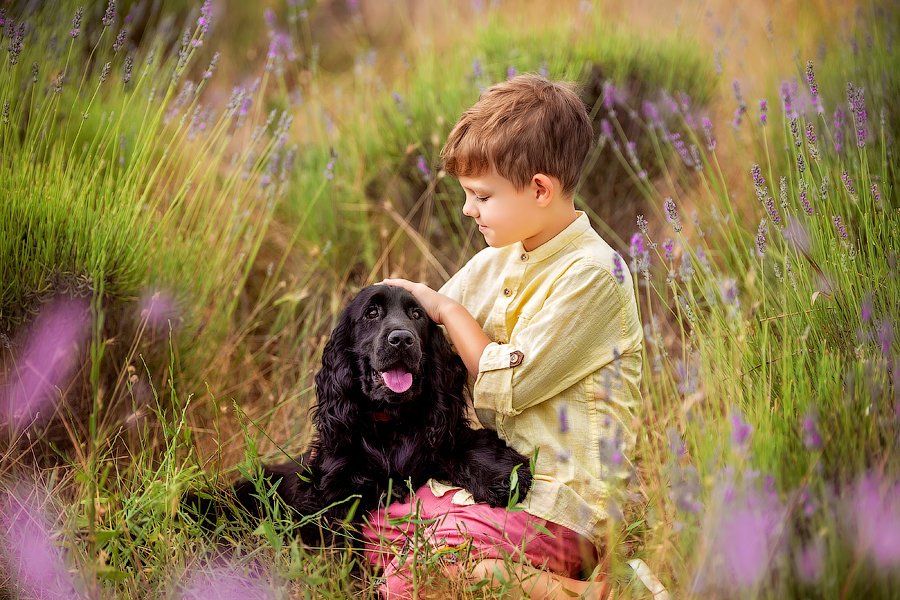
{"x": 396, "y": 534}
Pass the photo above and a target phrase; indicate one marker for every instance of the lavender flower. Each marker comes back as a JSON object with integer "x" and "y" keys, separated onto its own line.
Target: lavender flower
{"x": 873, "y": 518}
{"x": 811, "y": 438}
{"x": 848, "y": 184}
{"x": 875, "y": 195}
{"x": 856, "y": 100}
{"x": 76, "y": 22}
{"x": 838, "y": 127}
{"x": 104, "y": 73}
{"x": 804, "y": 202}
{"x": 795, "y": 132}
{"x": 208, "y": 73}
{"x": 422, "y": 166}
{"x": 801, "y": 164}
{"x": 638, "y": 253}
{"x": 811, "y": 142}
{"x": 773, "y": 212}
{"x": 4, "y": 116}
{"x": 810, "y": 561}
{"x": 740, "y": 430}
{"x": 839, "y": 227}
{"x": 708, "y": 133}
{"x": 761, "y": 232}
{"x": 759, "y": 183}
{"x": 745, "y": 533}
{"x": 672, "y": 214}
{"x": 120, "y": 39}
{"x": 811, "y": 79}
{"x": 126, "y": 68}
{"x": 225, "y": 582}
{"x": 477, "y": 70}
{"x": 511, "y": 72}
{"x": 205, "y": 17}
{"x": 642, "y": 224}
{"x": 669, "y": 247}
{"x": 329, "y": 168}
{"x": 763, "y": 112}
{"x": 741, "y": 105}
{"x": 37, "y": 563}
{"x": 15, "y": 44}
{"x": 109, "y": 17}
{"x": 617, "y": 268}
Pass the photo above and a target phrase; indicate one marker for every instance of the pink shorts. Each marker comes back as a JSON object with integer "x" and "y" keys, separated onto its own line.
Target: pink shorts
{"x": 395, "y": 535}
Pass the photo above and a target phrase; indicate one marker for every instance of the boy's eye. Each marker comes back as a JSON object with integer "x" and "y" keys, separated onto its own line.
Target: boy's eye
{"x": 481, "y": 198}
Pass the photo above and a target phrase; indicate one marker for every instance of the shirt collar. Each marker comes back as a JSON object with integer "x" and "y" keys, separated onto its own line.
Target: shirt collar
{"x": 578, "y": 227}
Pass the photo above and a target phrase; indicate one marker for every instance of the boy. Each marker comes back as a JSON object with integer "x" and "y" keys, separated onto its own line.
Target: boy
{"x": 548, "y": 329}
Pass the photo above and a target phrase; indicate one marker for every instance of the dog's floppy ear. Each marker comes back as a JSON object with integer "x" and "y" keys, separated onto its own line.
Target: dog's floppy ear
{"x": 335, "y": 382}
{"x": 447, "y": 380}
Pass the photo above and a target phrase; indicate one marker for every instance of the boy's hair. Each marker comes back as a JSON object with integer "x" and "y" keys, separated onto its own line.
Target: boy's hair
{"x": 520, "y": 127}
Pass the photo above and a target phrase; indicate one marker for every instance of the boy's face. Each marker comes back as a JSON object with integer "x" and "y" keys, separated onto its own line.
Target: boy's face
{"x": 504, "y": 214}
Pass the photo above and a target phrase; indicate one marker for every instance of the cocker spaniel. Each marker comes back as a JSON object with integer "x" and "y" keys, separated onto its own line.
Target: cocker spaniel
{"x": 390, "y": 408}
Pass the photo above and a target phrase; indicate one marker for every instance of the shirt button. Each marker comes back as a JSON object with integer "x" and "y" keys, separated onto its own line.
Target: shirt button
{"x": 524, "y": 257}
{"x": 507, "y": 291}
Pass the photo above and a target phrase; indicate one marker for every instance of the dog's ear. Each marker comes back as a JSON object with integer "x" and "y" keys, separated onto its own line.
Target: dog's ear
{"x": 447, "y": 380}
{"x": 335, "y": 382}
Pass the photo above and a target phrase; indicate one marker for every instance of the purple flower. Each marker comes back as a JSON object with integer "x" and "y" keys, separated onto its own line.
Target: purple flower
{"x": 329, "y": 168}
{"x": 839, "y": 227}
{"x": 761, "y": 238}
{"x": 119, "y": 43}
{"x": 126, "y": 68}
{"x": 37, "y": 562}
{"x": 804, "y": 202}
{"x": 857, "y": 102}
{"x": 672, "y": 214}
{"x": 76, "y": 22}
{"x": 205, "y": 17}
{"x": 848, "y": 183}
{"x": 511, "y": 72}
{"x": 46, "y": 362}
{"x": 873, "y": 517}
{"x": 208, "y": 73}
{"x": 642, "y": 223}
{"x": 651, "y": 113}
{"x": 745, "y": 540}
{"x": 109, "y": 17}
{"x": 763, "y": 112}
{"x": 811, "y": 79}
{"x": 758, "y": 182}
{"x": 801, "y": 164}
{"x": 708, "y": 132}
{"x": 795, "y": 131}
{"x": 225, "y": 582}
{"x": 477, "y": 71}
{"x": 773, "y": 212}
{"x": 740, "y": 430}
{"x": 812, "y": 440}
{"x": 422, "y": 166}
{"x": 669, "y": 247}
{"x": 838, "y": 124}
{"x": 741, "y": 105}
{"x": 810, "y": 561}
{"x": 875, "y": 195}
{"x": 617, "y": 268}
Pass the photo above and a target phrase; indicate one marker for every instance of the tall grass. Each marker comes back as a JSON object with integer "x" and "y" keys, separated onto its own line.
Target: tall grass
{"x": 207, "y": 240}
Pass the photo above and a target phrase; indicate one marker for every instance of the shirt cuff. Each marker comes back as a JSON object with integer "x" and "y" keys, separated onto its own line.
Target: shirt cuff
{"x": 493, "y": 387}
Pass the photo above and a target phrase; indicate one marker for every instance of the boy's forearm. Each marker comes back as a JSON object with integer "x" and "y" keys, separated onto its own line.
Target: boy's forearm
{"x": 465, "y": 333}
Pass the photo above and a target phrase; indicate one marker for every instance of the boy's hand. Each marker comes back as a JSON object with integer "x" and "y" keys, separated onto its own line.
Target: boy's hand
{"x": 430, "y": 300}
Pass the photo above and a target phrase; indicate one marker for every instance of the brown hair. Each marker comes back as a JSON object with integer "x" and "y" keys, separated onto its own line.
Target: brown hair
{"x": 520, "y": 127}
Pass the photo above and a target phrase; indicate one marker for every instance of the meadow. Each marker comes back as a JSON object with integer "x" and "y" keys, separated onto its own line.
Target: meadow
{"x": 190, "y": 192}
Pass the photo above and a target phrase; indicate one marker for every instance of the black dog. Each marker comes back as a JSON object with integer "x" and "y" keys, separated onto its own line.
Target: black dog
{"x": 390, "y": 409}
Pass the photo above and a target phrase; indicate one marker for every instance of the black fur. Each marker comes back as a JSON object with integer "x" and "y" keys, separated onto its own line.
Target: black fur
{"x": 368, "y": 434}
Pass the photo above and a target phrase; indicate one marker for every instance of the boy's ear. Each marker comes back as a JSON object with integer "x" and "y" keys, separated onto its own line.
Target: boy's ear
{"x": 544, "y": 188}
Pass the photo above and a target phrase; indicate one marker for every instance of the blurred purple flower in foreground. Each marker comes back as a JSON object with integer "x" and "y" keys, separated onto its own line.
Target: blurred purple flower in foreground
{"x": 36, "y": 564}
{"x": 873, "y": 517}
{"x": 745, "y": 540}
{"x": 50, "y": 354}
{"x": 224, "y": 582}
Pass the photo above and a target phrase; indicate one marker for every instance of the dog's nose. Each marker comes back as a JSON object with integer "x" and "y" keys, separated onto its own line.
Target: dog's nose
{"x": 401, "y": 338}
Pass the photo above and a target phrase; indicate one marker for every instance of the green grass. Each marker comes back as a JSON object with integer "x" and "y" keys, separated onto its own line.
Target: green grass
{"x": 255, "y": 232}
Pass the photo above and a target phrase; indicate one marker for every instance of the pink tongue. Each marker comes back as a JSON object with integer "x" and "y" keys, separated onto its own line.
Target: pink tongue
{"x": 397, "y": 379}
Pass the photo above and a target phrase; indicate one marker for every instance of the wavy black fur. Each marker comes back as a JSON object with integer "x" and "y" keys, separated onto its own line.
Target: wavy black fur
{"x": 369, "y": 434}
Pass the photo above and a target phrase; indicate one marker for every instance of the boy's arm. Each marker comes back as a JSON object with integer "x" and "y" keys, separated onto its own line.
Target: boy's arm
{"x": 465, "y": 333}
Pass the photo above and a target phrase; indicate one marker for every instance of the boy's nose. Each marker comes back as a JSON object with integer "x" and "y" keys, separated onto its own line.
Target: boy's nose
{"x": 469, "y": 208}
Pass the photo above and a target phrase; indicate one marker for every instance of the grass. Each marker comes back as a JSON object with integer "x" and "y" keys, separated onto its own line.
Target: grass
{"x": 208, "y": 242}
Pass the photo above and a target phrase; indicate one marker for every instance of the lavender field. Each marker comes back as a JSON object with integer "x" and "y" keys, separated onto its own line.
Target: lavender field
{"x": 190, "y": 192}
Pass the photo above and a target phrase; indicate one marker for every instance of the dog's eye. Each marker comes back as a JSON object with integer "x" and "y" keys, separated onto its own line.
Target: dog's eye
{"x": 372, "y": 312}
{"x": 416, "y": 313}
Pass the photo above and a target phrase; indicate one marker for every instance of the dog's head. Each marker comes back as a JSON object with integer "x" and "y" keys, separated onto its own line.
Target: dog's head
{"x": 385, "y": 356}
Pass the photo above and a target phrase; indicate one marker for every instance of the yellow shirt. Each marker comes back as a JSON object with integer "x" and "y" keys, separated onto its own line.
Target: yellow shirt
{"x": 562, "y": 373}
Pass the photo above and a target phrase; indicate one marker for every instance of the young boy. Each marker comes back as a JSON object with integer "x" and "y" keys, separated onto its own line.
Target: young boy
{"x": 548, "y": 328}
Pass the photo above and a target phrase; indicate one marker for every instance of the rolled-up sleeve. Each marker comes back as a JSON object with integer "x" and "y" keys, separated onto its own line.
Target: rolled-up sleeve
{"x": 553, "y": 350}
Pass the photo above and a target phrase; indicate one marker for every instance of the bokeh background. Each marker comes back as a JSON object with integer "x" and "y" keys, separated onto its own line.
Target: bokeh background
{"x": 190, "y": 192}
